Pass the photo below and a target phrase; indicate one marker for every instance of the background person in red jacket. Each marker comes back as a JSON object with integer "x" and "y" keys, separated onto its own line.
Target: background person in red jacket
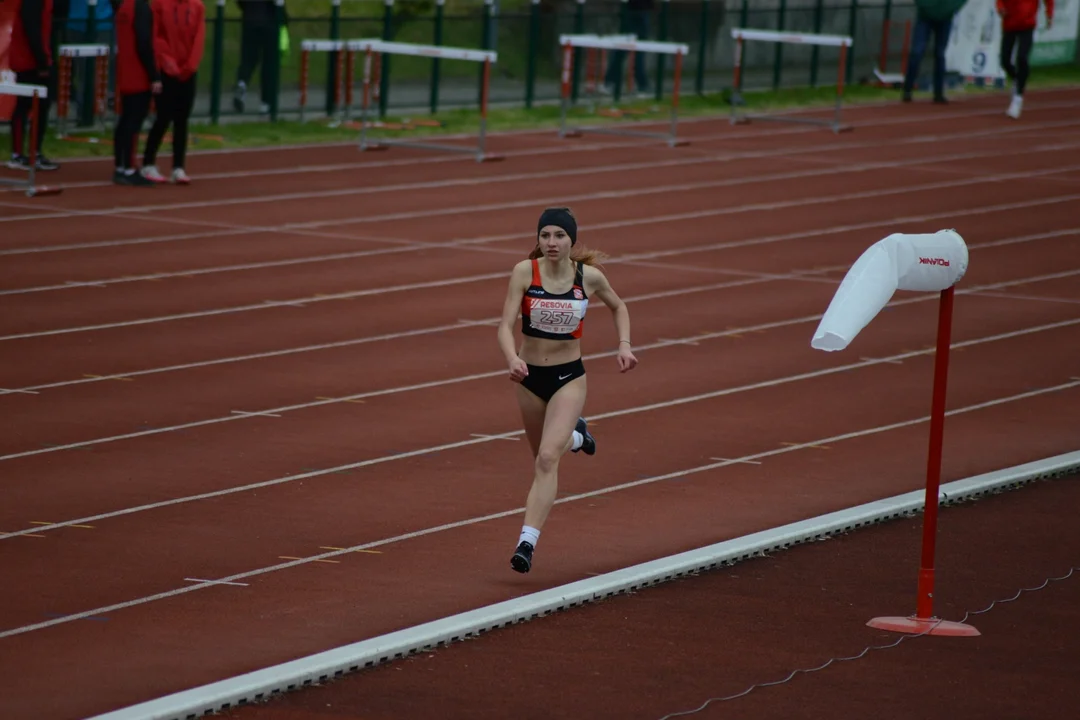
{"x": 137, "y": 80}
{"x": 1018, "y": 19}
{"x": 30, "y": 58}
{"x": 179, "y": 34}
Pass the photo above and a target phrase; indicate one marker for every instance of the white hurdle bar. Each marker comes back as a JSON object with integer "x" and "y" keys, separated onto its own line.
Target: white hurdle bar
{"x": 743, "y": 34}
{"x": 592, "y": 52}
{"x": 619, "y": 42}
{"x": 373, "y": 49}
{"x": 37, "y": 92}
{"x": 67, "y": 53}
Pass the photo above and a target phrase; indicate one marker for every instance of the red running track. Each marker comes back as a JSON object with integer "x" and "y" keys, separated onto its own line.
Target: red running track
{"x": 228, "y": 381}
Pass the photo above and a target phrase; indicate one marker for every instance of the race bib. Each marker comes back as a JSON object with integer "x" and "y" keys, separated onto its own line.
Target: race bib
{"x": 556, "y": 316}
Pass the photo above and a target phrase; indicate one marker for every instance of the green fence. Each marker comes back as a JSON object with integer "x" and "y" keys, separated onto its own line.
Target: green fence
{"x": 525, "y": 35}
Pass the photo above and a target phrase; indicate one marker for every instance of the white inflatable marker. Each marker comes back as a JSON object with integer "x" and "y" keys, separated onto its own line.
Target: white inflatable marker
{"x": 929, "y": 262}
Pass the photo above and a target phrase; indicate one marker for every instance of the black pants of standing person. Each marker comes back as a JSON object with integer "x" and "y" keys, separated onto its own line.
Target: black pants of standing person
{"x": 173, "y": 107}
{"x": 134, "y": 110}
{"x": 1018, "y": 72}
{"x": 258, "y": 41}
{"x": 20, "y": 122}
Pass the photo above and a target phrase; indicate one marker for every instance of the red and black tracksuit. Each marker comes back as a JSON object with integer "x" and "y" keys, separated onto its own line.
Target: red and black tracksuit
{"x": 179, "y": 34}
{"x": 30, "y": 58}
{"x": 1018, "y": 19}
{"x": 136, "y": 74}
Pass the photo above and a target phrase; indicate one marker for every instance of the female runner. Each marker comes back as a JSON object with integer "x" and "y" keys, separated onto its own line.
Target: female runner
{"x": 551, "y": 290}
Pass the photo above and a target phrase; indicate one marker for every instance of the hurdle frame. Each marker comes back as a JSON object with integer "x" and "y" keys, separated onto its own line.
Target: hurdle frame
{"x": 36, "y": 92}
{"x": 373, "y": 49}
{"x": 569, "y": 42}
{"x": 590, "y": 83}
{"x": 881, "y": 74}
{"x": 344, "y": 71}
{"x": 67, "y": 53}
{"x": 741, "y": 35}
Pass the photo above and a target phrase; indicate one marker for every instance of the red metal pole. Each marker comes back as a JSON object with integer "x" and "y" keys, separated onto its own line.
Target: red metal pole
{"x": 925, "y": 593}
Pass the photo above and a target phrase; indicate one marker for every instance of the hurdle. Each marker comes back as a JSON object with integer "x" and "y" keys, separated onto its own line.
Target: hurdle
{"x": 606, "y": 44}
{"x": 67, "y": 53}
{"x": 596, "y": 60}
{"x": 374, "y": 49}
{"x": 883, "y": 77}
{"x": 36, "y": 92}
{"x": 741, "y": 35}
{"x": 344, "y": 65}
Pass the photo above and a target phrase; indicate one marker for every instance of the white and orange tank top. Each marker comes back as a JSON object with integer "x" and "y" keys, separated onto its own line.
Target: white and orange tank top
{"x": 551, "y": 316}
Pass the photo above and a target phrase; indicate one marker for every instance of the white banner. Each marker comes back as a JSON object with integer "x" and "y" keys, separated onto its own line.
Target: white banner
{"x": 974, "y": 48}
{"x": 1057, "y": 45}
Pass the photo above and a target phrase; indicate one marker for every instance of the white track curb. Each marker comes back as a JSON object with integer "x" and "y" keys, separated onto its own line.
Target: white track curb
{"x": 262, "y": 684}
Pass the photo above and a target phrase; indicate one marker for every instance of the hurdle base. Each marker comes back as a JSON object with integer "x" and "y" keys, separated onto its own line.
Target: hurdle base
{"x": 43, "y": 191}
{"x": 834, "y": 126}
{"x": 385, "y": 144}
{"x": 924, "y": 626}
{"x": 665, "y": 138}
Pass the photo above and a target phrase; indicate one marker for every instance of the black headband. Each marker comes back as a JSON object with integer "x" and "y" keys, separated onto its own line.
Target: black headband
{"x": 560, "y": 218}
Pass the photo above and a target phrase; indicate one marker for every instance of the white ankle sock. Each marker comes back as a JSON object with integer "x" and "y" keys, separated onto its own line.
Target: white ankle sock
{"x": 530, "y": 535}
{"x": 579, "y": 439}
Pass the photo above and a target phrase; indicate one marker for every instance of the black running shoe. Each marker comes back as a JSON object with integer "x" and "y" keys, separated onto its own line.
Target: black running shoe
{"x": 589, "y": 444}
{"x": 18, "y": 162}
{"x": 134, "y": 179}
{"x": 44, "y": 163}
{"x": 522, "y": 560}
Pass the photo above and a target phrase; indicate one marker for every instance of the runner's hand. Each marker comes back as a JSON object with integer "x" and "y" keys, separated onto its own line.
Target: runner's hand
{"x": 626, "y": 358}
{"x": 518, "y": 370}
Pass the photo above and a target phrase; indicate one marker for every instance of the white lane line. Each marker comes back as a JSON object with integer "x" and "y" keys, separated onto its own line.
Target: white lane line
{"x": 214, "y": 582}
{"x": 516, "y": 511}
{"x": 488, "y": 276}
{"x": 492, "y": 321}
{"x": 668, "y": 218}
{"x": 747, "y": 155}
{"x": 23, "y": 391}
{"x": 795, "y": 275}
{"x": 962, "y": 108}
{"x": 860, "y": 108}
{"x": 1036, "y": 298}
{"x": 265, "y": 413}
{"x": 736, "y": 460}
{"x": 409, "y": 187}
{"x": 376, "y": 393}
{"x": 154, "y": 213}
{"x": 690, "y": 187}
{"x": 775, "y": 382}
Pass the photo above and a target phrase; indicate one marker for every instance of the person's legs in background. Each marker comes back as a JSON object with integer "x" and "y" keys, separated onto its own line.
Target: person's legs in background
{"x": 184, "y": 102}
{"x": 164, "y": 109}
{"x": 942, "y": 28}
{"x": 20, "y": 124}
{"x": 133, "y": 111}
{"x": 920, "y": 38}
{"x": 639, "y": 25}
{"x": 1018, "y": 72}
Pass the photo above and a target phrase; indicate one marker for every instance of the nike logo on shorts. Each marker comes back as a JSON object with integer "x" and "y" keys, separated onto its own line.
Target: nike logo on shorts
{"x": 563, "y": 377}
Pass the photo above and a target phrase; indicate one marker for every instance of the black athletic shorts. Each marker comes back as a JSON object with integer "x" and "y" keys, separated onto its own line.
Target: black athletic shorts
{"x": 543, "y": 381}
